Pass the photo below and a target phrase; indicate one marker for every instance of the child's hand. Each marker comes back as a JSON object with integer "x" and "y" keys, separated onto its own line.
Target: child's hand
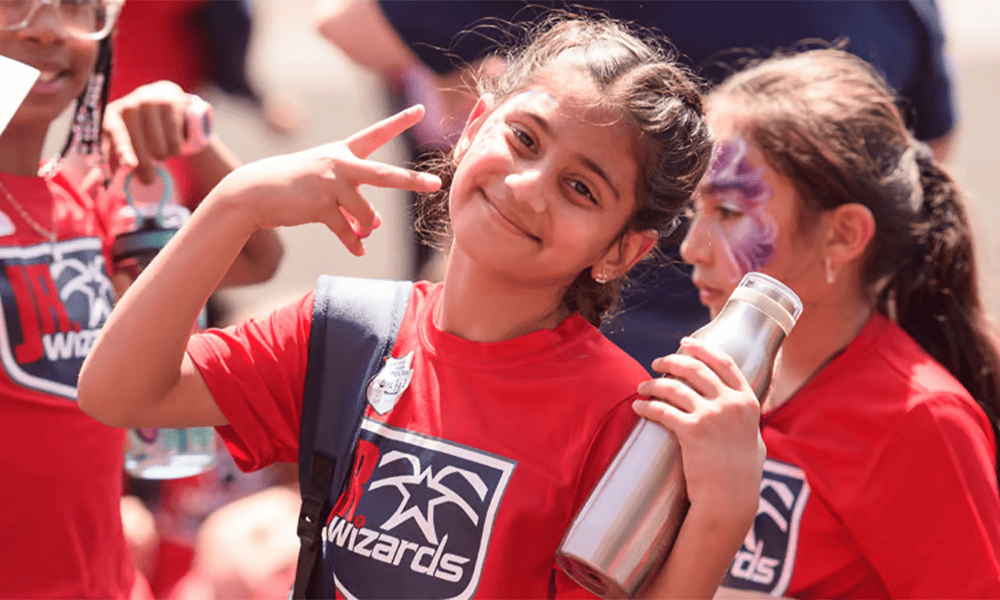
{"x": 321, "y": 185}
{"x": 146, "y": 126}
{"x": 707, "y": 402}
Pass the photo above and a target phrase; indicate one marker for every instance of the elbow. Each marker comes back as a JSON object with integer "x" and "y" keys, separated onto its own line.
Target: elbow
{"x": 93, "y": 398}
{"x": 104, "y": 395}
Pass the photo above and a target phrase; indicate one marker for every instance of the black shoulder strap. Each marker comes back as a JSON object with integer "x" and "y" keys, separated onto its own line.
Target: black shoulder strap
{"x": 354, "y": 327}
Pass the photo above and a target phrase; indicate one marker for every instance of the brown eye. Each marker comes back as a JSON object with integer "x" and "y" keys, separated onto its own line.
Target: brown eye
{"x": 523, "y": 137}
{"x": 581, "y": 188}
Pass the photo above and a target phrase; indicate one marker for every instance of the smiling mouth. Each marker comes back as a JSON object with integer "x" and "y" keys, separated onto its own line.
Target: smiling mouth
{"x": 511, "y": 224}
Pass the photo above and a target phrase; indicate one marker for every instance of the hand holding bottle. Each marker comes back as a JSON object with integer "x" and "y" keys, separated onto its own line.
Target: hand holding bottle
{"x": 711, "y": 389}
{"x": 706, "y": 401}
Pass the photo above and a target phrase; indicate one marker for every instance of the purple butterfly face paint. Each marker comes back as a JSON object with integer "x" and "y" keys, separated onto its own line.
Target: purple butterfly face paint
{"x": 745, "y": 232}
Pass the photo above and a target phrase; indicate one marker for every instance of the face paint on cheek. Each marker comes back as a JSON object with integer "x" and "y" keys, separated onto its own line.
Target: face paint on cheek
{"x": 730, "y": 176}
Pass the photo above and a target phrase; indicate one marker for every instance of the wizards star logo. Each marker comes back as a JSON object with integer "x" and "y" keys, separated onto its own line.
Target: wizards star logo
{"x": 52, "y": 311}
{"x": 416, "y": 517}
{"x": 766, "y": 561}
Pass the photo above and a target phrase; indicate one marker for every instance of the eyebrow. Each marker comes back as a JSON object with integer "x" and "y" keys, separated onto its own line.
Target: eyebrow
{"x": 587, "y": 162}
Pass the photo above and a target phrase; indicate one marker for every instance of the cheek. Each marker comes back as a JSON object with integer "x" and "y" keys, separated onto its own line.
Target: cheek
{"x": 85, "y": 55}
{"x": 710, "y": 243}
{"x": 753, "y": 241}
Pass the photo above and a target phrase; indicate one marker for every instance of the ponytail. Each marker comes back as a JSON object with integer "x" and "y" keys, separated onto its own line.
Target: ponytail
{"x": 935, "y": 298}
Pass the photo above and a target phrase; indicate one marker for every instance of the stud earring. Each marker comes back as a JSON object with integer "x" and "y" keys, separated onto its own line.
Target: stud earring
{"x": 602, "y": 277}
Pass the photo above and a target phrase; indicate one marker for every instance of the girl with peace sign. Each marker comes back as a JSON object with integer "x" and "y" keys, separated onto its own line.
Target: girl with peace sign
{"x": 500, "y": 403}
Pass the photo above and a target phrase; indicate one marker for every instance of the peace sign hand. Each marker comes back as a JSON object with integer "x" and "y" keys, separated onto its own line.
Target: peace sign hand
{"x": 320, "y": 185}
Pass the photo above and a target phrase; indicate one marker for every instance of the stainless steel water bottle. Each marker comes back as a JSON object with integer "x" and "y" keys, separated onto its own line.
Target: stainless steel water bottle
{"x": 628, "y": 524}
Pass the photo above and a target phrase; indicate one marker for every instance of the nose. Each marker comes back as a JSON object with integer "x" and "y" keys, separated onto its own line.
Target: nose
{"x": 43, "y": 23}
{"x": 697, "y": 245}
{"x": 528, "y": 187}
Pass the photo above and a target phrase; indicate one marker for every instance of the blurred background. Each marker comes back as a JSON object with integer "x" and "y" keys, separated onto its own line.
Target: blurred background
{"x": 334, "y": 98}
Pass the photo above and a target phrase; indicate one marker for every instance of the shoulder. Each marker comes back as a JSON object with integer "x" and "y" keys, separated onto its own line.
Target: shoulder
{"x": 893, "y": 376}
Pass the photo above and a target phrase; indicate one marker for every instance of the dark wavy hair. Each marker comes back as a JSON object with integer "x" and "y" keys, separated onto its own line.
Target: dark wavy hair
{"x": 828, "y": 121}
{"x": 636, "y": 74}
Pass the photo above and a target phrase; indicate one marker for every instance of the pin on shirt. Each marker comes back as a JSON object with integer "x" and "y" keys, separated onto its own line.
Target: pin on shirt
{"x": 390, "y": 383}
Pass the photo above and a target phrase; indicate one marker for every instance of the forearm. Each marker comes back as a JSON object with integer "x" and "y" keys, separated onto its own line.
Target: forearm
{"x": 134, "y": 372}
{"x": 704, "y": 549}
{"x": 260, "y": 256}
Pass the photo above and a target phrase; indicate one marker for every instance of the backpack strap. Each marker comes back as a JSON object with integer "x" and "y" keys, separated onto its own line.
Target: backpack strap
{"x": 353, "y": 330}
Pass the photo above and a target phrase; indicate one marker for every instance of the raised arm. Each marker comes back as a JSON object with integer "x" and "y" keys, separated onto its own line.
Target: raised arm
{"x": 708, "y": 404}
{"x": 137, "y": 373}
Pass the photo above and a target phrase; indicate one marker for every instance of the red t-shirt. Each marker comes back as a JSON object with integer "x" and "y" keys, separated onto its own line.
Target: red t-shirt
{"x": 467, "y": 484}
{"x": 60, "y": 527}
{"x": 880, "y": 482}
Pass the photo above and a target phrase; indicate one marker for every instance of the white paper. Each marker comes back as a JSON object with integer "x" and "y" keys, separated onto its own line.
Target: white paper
{"x": 16, "y": 79}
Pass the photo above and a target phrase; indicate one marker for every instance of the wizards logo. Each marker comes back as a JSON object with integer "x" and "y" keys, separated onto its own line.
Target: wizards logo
{"x": 767, "y": 558}
{"x": 52, "y": 311}
{"x": 416, "y": 517}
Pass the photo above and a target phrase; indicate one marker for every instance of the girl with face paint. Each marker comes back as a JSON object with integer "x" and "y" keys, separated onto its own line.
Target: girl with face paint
{"x": 881, "y": 420}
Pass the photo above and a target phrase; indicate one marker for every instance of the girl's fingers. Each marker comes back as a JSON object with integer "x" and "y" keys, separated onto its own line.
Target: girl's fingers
{"x": 672, "y": 391}
{"x": 172, "y": 118}
{"x": 360, "y": 214}
{"x": 663, "y": 413}
{"x": 718, "y": 361}
{"x": 137, "y": 137}
{"x": 691, "y": 371}
{"x": 373, "y": 137}
{"x": 153, "y": 130}
{"x": 377, "y": 174}
{"x": 121, "y": 149}
{"x": 338, "y": 223}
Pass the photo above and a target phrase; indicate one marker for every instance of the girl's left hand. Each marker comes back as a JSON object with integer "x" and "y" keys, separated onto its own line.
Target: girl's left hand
{"x": 707, "y": 403}
{"x": 146, "y": 126}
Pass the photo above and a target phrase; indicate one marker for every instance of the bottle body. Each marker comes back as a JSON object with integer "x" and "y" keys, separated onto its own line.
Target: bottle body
{"x": 630, "y": 521}
{"x": 148, "y": 224}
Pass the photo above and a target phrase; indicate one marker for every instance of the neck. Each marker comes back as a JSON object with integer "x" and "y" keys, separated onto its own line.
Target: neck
{"x": 482, "y": 307}
{"x": 21, "y": 149}
{"x": 822, "y": 331}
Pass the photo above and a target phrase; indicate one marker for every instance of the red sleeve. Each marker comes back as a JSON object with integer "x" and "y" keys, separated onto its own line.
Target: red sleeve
{"x": 256, "y": 373}
{"x": 931, "y": 527}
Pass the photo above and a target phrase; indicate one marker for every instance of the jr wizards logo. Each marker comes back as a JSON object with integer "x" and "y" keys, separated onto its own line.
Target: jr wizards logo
{"x": 52, "y": 311}
{"x": 416, "y": 517}
{"x": 767, "y": 558}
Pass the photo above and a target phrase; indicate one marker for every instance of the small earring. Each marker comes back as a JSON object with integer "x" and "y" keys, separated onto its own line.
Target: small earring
{"x": 831, "y": 275}
{"x": 602, "y": 277}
